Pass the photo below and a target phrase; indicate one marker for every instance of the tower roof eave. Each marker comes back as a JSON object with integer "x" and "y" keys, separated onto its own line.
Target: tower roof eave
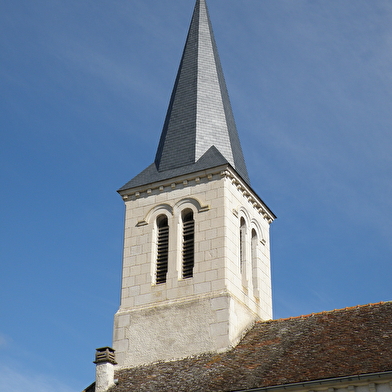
{"x": 212, "y": 158}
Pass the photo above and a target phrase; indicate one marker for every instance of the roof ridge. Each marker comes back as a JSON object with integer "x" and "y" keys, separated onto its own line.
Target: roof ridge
{"x": 348, "y": 308}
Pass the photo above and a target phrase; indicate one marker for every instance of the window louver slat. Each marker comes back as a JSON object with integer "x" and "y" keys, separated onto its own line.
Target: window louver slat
{"x": 162, "y": 253}
{"x": 188, "y": 246}
{"x": 242, "y": 245}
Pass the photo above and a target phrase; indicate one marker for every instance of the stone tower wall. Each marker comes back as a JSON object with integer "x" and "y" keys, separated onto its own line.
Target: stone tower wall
{"x": 210, "y": 311}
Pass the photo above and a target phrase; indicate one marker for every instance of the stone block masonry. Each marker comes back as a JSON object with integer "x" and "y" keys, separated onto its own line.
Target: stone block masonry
{"x": 209, "y": 311}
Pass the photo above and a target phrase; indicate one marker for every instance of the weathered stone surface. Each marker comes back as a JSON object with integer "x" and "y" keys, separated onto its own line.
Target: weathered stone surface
{"x": 173, "y": 331}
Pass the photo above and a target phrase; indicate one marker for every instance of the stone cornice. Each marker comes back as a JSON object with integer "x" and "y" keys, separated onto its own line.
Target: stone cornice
{"x": 216, "y": 173}
{"x": 249, "y": 194}
{"x": 172, "y": 183}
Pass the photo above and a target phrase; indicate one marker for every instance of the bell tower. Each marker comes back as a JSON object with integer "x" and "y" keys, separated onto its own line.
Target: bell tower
{"x": 196, "y": 263}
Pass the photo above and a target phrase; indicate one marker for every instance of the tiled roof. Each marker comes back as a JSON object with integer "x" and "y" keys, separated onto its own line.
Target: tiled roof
{"x": 199, "y": 114}
{"x": 351, "y": 341}
{"x": 90, "y": 388}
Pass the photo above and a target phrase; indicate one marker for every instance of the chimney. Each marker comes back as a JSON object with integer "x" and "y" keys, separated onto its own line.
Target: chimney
{"x": 104, "y": 373}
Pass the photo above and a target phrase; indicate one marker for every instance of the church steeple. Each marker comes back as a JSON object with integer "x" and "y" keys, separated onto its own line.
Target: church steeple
{"x": 199, "y": 130}
{"x": 196, "y": 264}
{"x": 199, "y": 114}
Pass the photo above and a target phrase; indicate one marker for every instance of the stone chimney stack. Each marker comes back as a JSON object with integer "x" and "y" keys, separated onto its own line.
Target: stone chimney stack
{"x": 104, "y": 373}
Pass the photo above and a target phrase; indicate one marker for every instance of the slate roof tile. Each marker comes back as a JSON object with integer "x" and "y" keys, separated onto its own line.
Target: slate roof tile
{"x": 199, "y": 115}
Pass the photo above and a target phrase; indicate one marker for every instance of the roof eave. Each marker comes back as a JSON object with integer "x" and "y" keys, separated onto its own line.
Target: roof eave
{"x": 223, "y": 170}
{"x": 172, "y": 180}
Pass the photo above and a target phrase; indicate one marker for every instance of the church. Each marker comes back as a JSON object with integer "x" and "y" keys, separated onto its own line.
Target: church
{"x": 196, "y": 304}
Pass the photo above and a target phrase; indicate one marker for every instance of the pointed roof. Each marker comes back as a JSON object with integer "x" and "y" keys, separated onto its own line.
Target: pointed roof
{"x": 199, "y": 130}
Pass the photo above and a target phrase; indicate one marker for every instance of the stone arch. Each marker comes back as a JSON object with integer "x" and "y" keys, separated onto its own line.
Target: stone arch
{"x": 254, "y": 224}
{"x": 164, "y": 208}
{"x": 159, "y": 238}
{"x": 189, "y": 202}
{"x": 243, "y": 227}
{"x": 242, "y": 212}
{"x": 187, "y": 234}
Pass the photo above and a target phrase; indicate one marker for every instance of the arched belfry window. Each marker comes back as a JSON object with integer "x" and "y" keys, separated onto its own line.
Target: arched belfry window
{"x": 242, "y": 245}
{"x": 162, "y": 248}
{"x": 254, "y": 258}
{"x": 188, "y": 244}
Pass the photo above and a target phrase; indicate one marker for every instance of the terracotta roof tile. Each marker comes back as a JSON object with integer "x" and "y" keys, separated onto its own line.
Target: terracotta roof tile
{"x": 337, "y": 343}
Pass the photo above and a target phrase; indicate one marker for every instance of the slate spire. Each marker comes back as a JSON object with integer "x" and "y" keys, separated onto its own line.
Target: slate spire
{"x": 199, "y": 130}
{"x": 199, "y": 114}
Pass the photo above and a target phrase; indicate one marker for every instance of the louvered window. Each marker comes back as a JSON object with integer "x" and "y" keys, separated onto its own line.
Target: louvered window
{"x": 162, "y": 249}
{"x": 188, "y": 245}
{"x": 254, "y": 259}
{"x": 242, "y": 244}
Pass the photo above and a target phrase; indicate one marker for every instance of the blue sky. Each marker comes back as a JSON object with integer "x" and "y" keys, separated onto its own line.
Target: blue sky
{"x": 84, "y": 87}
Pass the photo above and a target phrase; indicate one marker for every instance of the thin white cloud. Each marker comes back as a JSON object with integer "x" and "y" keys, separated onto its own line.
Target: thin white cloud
{"x": 12, "y": 380}
{"x": 4, "y": 340}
